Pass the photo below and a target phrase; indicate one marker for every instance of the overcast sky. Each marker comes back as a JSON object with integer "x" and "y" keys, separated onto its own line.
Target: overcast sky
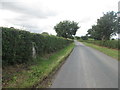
{"x": 42, "y": 15}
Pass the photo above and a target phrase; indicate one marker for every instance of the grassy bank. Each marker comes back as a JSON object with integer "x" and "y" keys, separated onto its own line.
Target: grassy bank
{"x": 110, "y": 52}
{"x": 41, "y": 69}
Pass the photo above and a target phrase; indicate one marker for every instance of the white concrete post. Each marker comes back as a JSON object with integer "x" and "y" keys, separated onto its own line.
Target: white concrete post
{"x": 33, "y": 52}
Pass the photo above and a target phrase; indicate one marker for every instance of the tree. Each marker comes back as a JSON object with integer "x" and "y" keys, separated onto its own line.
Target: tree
{"x": 105, "y": 28}
{"x": 66, "y": 29}
{"x": 77, "y": 37}
{"x": 95, "y": 32}
{"x": 84, "y": 37}
{"x": 45, "y": 33}
{"x": 108, "y": 25}
{"x": 118, "y": 25}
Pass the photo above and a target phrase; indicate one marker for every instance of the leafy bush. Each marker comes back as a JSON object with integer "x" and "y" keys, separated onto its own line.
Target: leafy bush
{"x": 17, "y": 45}
{"x": 84, "y": 37}
{"x": 77, "y": 37}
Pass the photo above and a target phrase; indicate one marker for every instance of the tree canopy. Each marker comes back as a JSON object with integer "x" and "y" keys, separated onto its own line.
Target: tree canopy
{"x": 66, "y": 29}
{"x": 45, "y": 33}
{"x": 105, "y": 28}
{"x": 118, "y": 25}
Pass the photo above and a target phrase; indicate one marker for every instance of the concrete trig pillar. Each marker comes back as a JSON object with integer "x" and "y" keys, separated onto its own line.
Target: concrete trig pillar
{"x": 33, "y": 51}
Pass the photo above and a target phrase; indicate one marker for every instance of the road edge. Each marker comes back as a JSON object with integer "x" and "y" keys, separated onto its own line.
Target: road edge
{"x": 47, "y": 81}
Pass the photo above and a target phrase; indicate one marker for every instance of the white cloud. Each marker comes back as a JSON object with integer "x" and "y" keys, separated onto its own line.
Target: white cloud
{"x": 29, "y": 9}
{"x": 43, "y": 15}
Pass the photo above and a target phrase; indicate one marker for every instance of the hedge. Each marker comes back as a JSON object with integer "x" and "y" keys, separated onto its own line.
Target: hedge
{"x": 47, "y": 44}
{"x": 114, "y": 44}
{"x": 17, "y": 45}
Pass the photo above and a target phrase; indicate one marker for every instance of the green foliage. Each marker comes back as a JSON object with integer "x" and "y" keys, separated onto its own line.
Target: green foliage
{"x": 66, "y": 29}
{"x": 105, "y": 28}
{"x": 48, "y": 44}
{"x": 118, "y": 25}
{"x": 17, "y": 45}
{"x": 115, "y": 44}
{"x": 77, "y": 37}
{"x": 42, "y": 68}
{"x": 45, "y": 33}
{"x": 84, "y": 37}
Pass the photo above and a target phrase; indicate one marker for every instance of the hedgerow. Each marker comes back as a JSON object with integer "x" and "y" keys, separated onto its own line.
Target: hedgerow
{"x": 114, "y": 44}
{"x": 17, "y": 45}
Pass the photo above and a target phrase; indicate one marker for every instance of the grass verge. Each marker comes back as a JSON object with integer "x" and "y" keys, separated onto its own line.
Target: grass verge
{"x": 110, "y": 52}
{"x": 39, "y": 71}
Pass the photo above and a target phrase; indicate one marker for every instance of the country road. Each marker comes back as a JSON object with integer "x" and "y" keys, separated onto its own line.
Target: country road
{"x": 87, "y": 68}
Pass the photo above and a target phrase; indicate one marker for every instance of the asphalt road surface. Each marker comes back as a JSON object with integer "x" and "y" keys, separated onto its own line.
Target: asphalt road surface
{"x": 87, "y": 68}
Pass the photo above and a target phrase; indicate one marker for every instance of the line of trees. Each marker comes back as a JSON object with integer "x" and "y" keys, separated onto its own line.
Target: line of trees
{"x": 106, "y": 27}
